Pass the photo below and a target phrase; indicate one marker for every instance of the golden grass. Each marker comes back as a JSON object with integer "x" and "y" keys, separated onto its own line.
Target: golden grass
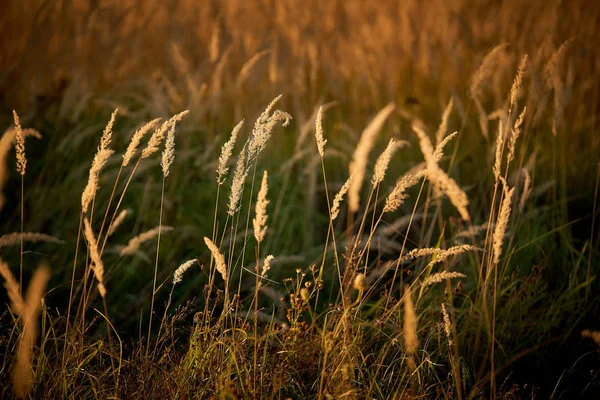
{"x": 339, "y": 319}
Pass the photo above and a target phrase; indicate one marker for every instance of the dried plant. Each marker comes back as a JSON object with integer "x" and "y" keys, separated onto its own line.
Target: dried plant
{"x": 226, "y": 152}
{"x": 178, "y": 275}
{"x": 443, "y": 128}
{"x": 337, "y": 200}
{"x": 219, "y": 258}
{"x": 382, "y": 163}
{"x": 100, "y": 159}
{"x": 136, "y": 140}
{"x": 440, "y": 277}
{"x": 441, "y": 181}
{"x": 447, "y": 325}
{"x": 20, "y": 146}
{"x": 484, "y": 70}
{"x": 410, "y": 327}
{"x": 134, "y": 243}
{"x": 97, "y": 265}
{"x": 398, "y": 193}
{"x": 516, "y": 86}
{"x": 117, "y": 222}
{"x": 237, "y": 185}
{"x": 358, "y": 165}
{"x": 266, "y": 265}
{"x": 526, "y": 189}
{"x": 159, "y": 134}
{"x": 503, "y": 216}
{"x": 168, "y": 155}
{"x": 260, "y": 220}
{"x": 261, "y": 133}
{"x": 321, "y": 141}
{"x": 6, "y": 142}
{"x": 13, "y": 239}
{"x": 516, "y": 132}
{"x": 499, "y": 148}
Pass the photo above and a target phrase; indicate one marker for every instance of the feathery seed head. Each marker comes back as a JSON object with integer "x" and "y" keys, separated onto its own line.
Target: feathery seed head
{"x": 443, "y": 128}
{"x": 266, "y": 265}
{"x": 516, "y": 86}
{"x": 97, "y": 266}
{"x": 440, "y": 277}
{"x": 447, "y": 324}
{"x": 382, "y": 163}
{"x": 358, "y": 165}
{"x": 169, "y": 152}
{"x": 20, "y": 146}
{"x": 134, "y": 243}
{"x": 118, "y": 221}
{"x": 219, "y": 258}
{"x": 91, "y": 188}
{"x": 136, "y": 140}
{"x": 410, "y": 326}
{"x": 502, "y": 222}
{"x": 159, "y": 134}
{"x": 237, "y": 185}
{"x": 398, "y": 194}
{"x": 321, "y": 141}
{"x": 260, "y": 220}
{"x": 337, "y": 200}
{"x": 226, "y": 152}
{"x": 178, "y": 275}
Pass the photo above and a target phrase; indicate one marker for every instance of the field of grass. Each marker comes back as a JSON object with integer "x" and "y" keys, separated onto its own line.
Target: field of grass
{"x": 310, "y": 200}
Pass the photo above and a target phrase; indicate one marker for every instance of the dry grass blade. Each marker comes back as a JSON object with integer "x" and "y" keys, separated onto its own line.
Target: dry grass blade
{"x": 358, "y": 165}
{"x": 23, "y": 369}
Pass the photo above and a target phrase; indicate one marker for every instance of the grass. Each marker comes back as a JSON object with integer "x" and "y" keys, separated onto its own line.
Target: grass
{"x": 423, "y": 227}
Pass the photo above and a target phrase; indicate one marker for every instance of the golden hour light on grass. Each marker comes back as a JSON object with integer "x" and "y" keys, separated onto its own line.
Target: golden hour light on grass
{"x": 275, "y": 199}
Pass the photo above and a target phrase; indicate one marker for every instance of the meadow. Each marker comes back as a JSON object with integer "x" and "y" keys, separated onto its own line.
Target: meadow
{"x": 282, "y": 199}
